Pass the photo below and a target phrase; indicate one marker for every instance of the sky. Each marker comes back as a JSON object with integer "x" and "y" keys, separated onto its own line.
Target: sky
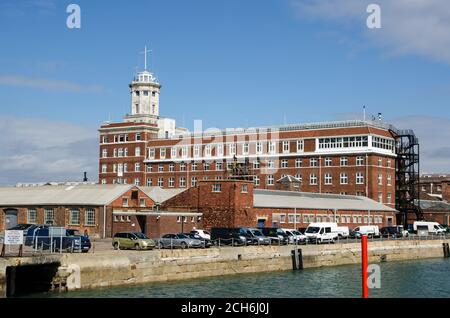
{"x": 235, "y": 63}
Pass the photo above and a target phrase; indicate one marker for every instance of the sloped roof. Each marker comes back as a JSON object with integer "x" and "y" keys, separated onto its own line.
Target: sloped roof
{"x": 62, "y": 194}
{"x": 159, "y": 195}
{"x": 431, "y": 205}
{"x": 315, "y": 201}
{"x": 289, "y": 179}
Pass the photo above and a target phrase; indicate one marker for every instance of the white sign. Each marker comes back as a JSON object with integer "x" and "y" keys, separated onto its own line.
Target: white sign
{"x": 13, "y": 237}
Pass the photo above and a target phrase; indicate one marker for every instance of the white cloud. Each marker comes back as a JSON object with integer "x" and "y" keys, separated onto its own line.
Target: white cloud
{"x": 47, "y": 84}
{"x": 34, "y": 150}
{"x": 420, "y": 27}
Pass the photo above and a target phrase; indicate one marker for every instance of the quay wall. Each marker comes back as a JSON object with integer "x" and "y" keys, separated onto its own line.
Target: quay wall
{"x": 113, "y": 268}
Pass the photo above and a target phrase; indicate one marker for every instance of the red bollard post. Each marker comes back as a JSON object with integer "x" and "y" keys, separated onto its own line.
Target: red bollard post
{"x": 365, "y": 269}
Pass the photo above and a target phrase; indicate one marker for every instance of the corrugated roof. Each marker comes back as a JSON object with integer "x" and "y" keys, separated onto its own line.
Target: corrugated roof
{"x": 63, "y": 195}
{"x": 315, "y": 201}
{"x": 435, "y": 205}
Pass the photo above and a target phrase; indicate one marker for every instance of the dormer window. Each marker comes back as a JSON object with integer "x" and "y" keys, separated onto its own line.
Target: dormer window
{"x": 145, "y": 93}
{"x": 137, "y": 93}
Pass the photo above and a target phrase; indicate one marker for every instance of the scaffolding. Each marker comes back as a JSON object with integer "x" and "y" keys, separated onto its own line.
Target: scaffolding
{"x": 407, "y": 194}
{"x": 241, "y": 170}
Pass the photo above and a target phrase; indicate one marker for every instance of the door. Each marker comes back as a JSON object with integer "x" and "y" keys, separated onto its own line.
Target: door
{"x": 142, "y": 221}
{"x": 261, "y": 223}
{"x": 10, "y": 218}
{"x": 389, "y": 221}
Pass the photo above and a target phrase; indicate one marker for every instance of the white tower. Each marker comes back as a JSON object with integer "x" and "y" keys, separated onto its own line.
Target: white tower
{"x": 145, "y": 90}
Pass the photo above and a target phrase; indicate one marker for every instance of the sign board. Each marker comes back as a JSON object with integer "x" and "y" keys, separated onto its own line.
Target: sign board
{"x": 13, "y": 237}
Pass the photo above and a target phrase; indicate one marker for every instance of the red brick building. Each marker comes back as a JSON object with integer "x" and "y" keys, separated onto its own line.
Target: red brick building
{"x": 348, "y": 158}
{"x": 101, "y": 210}
{"x": 231, "y": 203}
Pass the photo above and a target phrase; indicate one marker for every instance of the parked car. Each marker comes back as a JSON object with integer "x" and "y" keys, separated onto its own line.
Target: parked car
{"x": 202, "y": 233}
{"x": 432, "y": 227}
{"x": 295, "y": 236}
{"x": 393, "y": 231}
{"x": 321, "y": 232}
{"x": 58, "y": 239}
{"x": 277, "y": 236}
{"x": 229, "y": 236}
{"x": 257, "y": 237}
{"x": 178, "y": 240}
{"x": 342, "y": 231}
{"x": 132, "y": 240}
{"x": 205, "y": 242}
{"x": 369, "y": 230}
{"x": 302, "y": 230}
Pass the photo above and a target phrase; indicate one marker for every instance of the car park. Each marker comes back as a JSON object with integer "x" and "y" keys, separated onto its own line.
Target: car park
{"x": 132, "y": 240}
{"x": 178, "y": 240}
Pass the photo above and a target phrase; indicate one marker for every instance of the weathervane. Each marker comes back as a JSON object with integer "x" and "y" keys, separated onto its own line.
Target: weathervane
{"x": 145, "y": 56}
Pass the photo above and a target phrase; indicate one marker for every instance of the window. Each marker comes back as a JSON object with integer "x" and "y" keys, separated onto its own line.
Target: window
{"x": 344, "y": 161}
{"x": 149, "y": 182}
{"x": 366, "y": 220}
{"x": 194, "y": 167}
{"x": 173, "y": 152}
{"x": 120, "y": 169}
{"x": 216, "y": 187}
{"x": 151, "y": 153}
{"x": 313, "y": 179}
{"x": 124, "y": 201}
{"x": 343, "y": 142}
{"x": 344, "y": 178}
{"x": 171, "y": 167}
{"x": 380, "y": 179}
{"x": 244, "y": 188}
{"x": 219, "y": 150}
{"x": 291, "y": 218}
{"x": 245, "y": 149}
{"x": 194, "y": 181}
{"x": 359, "y": 178}
{"x": 161, "y": 168}
{"x": 184, "y": 152}
{"x": 380, "y": 162}
{"x": 162, "y": 153}
{"x": 142, "y": 203}
{"x": 171, "y": 182}
{"x": 137, "y": 167}
{"x": 115, "y": 153}
{"x": 75, "y": 217}
{"x": 160, "y": 182}
{"x": 272, "y": 147}
{"x": 31, "y": 216}
{"x": 182, "y": 167}
{"x": 149, "y": 168}
{"x": 105, "y": 153}
{"x": 232, "y": 149}
{"x": 282, "y": 218}
{"x": 328, "y": 179}
{"x": 389, "y": 198}
{"x": 182, "y": 182}
{"x": 285, "y": 146}
{"x": 383, "y": 143}
{"x": 120, "y": 152}
{"x": 360, "y": 194}
{"x": 284, "y": 163}
{"x": 206, "y": 166}
{"x": 114, "y": 168}
{"x": 138, "y": 137}
{"x": 196, "y": 151}
{"x": 328, "y": 162}
{"x": 137, "y": 152}
{"x": 258, "y": 147}
{"x": 270, "y": 164}
{"x": 380, "y": 197}
{"x": 256, "y": 181}
{"x": 389, "y": 180}
{"x": 388, "y": 163}
{"x": 359, "y": 161}
{"x": 219, "y": 166}
{"x": 270, "y": 180}
{"x": 313, "y": 162}
{"x": 298, "y": 163}
{"x": 208, "y": 151}
{"x": 300, "y": 145}
{"x": 103, "y": 181}
{"x": 299, "y": 177}
{"x": 89, "y": 217}
{"x": 125, "y": 167}
{"x": 104, "y": 168}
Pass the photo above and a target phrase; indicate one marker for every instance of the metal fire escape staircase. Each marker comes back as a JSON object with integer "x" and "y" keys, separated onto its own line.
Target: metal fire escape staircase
{"x": 407, "y": 194}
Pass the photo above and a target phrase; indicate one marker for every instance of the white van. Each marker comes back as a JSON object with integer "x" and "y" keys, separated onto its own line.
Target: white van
{"x": 342, "y": 231}
{"x": 321, "y": 232}
{"x": 432, "y": 227}
{"x": 369, "y": 230}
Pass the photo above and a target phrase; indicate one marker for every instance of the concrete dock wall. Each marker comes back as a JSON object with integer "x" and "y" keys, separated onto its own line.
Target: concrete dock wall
{"x": 114, "y": 268}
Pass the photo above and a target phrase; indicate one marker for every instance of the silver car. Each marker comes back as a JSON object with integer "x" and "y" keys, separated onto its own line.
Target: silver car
{"x": 178, "y": 240}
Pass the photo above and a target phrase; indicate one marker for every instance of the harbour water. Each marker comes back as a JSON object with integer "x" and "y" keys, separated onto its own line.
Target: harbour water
{"x": 424, "y": 278}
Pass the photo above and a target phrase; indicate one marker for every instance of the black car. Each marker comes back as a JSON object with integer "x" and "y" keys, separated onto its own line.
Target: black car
{"x": 57, "y": 239}
{"x": 276, "y": 235}
{"x": 229, "y": 236}
{"x": 206, "y": 243}
{"x": 391, "y": 231}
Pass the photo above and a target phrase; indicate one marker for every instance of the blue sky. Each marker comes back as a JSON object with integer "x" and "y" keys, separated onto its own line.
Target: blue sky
{"x": 230, "y": 63}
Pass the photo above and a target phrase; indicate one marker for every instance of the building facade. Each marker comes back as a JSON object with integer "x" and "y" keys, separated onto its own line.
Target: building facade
{"x": 348, "y": 157}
